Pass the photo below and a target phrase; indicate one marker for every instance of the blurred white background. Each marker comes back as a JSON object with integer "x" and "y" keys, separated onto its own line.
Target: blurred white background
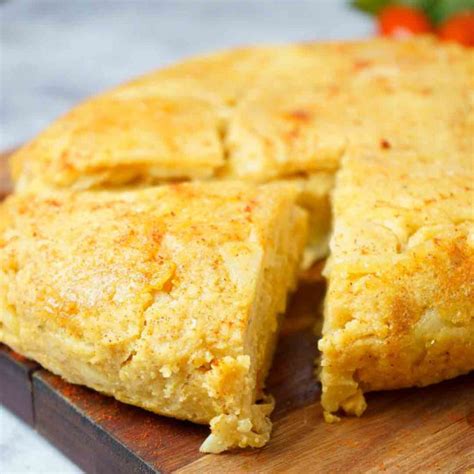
{"x": 53, "y": 53}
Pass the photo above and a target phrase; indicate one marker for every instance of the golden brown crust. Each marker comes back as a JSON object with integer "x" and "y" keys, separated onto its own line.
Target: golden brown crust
{"x": 260, "y": 114}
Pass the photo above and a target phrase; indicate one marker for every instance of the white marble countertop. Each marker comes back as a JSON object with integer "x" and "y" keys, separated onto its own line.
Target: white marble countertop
{"x": 54, "y": 53}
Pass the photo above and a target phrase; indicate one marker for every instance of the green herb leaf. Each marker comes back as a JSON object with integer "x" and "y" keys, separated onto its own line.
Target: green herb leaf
{"x": 437, "y": 10}
{"x": 441, "y": 10}
{"x": 370, "y": 6}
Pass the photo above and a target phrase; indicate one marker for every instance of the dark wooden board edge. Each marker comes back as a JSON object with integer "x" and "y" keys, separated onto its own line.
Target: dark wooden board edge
{"x": 78, "y": 436}
{"x": 16, "y": 391}
{"x": 96, "y": 432}
{"x": 140, "y": 438}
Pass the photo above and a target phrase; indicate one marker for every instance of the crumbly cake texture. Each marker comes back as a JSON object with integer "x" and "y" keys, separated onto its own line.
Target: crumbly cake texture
{"x": 166, "y": 298}
{"x": 400, "y": 305}
{"x": 390, "y": 122}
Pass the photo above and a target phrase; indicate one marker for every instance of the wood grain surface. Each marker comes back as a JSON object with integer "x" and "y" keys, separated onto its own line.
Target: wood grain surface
{"x": 414, "y": 430}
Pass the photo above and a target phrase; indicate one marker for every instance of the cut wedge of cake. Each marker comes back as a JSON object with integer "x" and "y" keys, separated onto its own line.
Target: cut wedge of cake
{"x": 400, "y": 305}
{"x": 166, "y": 298}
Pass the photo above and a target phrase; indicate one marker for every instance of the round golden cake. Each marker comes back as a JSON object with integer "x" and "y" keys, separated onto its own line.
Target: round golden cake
{"x": 376, "y": 139}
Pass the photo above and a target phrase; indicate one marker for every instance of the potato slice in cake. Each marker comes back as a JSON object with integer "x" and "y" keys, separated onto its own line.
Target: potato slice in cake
{"x": 166, "y": 298}
{"x": 400, "y": 305}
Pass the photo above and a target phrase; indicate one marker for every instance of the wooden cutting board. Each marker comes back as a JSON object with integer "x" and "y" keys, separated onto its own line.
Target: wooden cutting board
{"x": 415, "y": 430}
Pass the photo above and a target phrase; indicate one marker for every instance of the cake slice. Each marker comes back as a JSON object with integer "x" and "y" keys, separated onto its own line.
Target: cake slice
{"x": 400, "y": 305}
{"x": 112, "y": 141}
{"x": 166, "y": 298}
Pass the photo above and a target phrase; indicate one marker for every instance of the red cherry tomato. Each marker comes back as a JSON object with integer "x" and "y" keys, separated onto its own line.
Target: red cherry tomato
{"x": 459, "y": 28}
{"x": 400, "y": 21}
